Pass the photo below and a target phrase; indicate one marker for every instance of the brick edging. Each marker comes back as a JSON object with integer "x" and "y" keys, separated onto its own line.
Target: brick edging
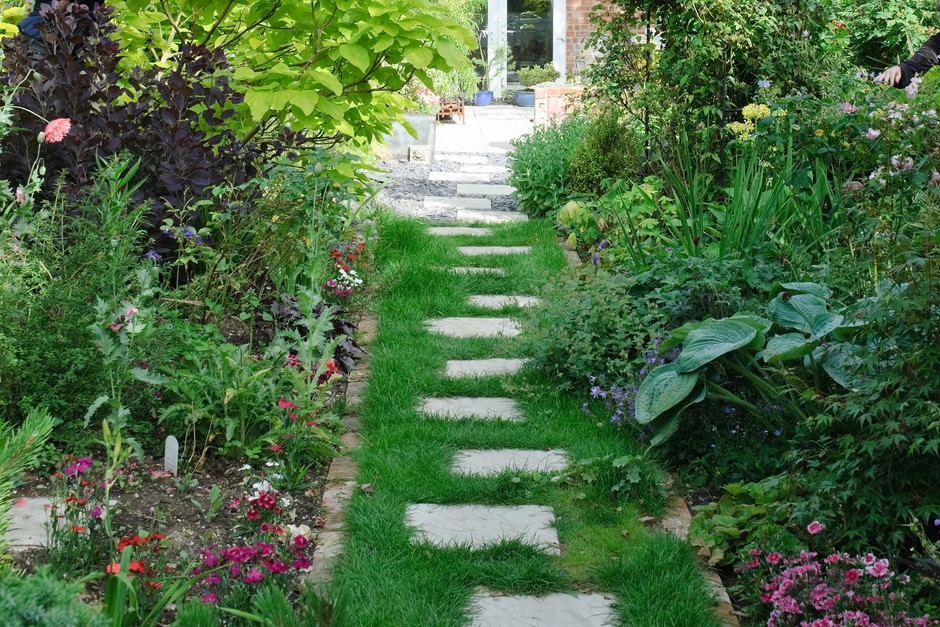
{"x": 341, "y": 478}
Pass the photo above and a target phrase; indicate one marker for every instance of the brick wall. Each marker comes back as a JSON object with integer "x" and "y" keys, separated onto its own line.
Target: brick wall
{"x": 578, "y": 20}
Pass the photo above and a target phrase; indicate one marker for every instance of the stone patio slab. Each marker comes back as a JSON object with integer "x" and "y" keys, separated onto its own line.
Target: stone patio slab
{"x": 498, "y": 301}
{"x": 459, "y": 177}
{"x": 482, "y": 525}
{"x": 474, "y": 327}
{"x": 492, "y": 462}
{"x": 461, "y": 368}
{"x": 464, "y": 270}
{"x": 552, "y": 610}
{"x": 483, "y": 189}
{"x": 453, "y": 202}
{"x": 446, "y": 231}
{"x": 478, "y": 251}
{"x": 489, "y": 217}
{"x": 483, "y": 169}
{"x": 27, "y": 529}
{"x": 462, "y": 158}
{"x": 463, "y": 407}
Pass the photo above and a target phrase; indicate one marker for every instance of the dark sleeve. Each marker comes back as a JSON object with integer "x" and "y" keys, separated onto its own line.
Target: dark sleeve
{"x": 924, "y": 59}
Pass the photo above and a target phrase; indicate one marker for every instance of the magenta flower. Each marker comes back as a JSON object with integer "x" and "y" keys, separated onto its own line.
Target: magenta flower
{"x": 254, "y": 576}
{"x": 209, "y": 598}
{"x": 873, "y": 133}
{"x": 815, "y": 527}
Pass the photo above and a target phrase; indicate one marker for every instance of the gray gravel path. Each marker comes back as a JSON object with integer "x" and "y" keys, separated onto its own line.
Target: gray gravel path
{"x": 407, "y": 185}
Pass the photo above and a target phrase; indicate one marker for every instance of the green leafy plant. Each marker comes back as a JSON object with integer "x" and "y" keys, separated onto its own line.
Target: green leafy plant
{"x": 44, "y": 599}
{"x": 539, "y": 165}
{"x": 610, "y": 150}
{"x": 620, "y": 478}
{"x": 536, "y": 74}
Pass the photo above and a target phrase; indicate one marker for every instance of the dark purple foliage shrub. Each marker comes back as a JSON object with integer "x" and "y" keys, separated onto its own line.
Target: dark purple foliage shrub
{"x": 175, "y": 122}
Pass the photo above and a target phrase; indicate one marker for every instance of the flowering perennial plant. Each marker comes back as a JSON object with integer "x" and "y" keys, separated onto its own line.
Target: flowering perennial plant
{"x": 835, "y": 591}
{"x": 346, "y": 279}
{"x": 76, "y": 529}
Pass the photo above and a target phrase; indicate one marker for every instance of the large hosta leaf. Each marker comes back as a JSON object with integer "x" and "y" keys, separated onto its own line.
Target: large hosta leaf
{"x": 802, "y": 287}
{"x": 662, "y": 390}
{"x": 806, "y": 313}
{"x": 788, "y": 346}
{"x": 711, "y": 341}
{"x": 669, "y": 422}
{"x": 842, "y": 362}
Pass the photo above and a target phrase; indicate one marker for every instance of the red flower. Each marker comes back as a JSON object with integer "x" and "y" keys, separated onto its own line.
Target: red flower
{"x": 78, "y": 529}
{"x": 851, "y": 576}
{"x": 253, "y": 514}
{"x": 276, "y": 448}
{"x": 292, "y": 416}
{"x": 300, "y": 542}
{"x": 286, "y": 404}
{"x": 136, "y": 567}
{"x": 113, "y": 569}
{"x": 154, "y": 584}
{"x": 57, "y": 129}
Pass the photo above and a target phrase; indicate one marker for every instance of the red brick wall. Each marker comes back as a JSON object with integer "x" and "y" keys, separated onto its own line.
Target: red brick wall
{"x": 578, "y": 18}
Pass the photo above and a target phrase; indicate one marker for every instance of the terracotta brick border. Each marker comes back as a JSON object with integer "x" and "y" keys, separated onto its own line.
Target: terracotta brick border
{"x": 341, "y": 479}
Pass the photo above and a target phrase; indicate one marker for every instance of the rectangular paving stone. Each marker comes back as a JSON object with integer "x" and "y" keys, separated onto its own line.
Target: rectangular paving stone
{"x": 498, "y": 301}
{"x": 460, "y": 368}
{"x": 463, "y": 270}
{"x": 462, "y": 407}
{"x": 28, "y": 519}
{"x": 489, "y": 217}
{"x": 459, "y": 177}
{"x": 445, "y": 231}
{"x": 483, "y": 169}
{"x": 462, "y": 158}
{"x": 478, "y": 251}
{"x": 552, "y": 610}
{"x": 474, "y": 327}
{"x": 477, "y": 526}
{"x": 453, "y": 202}
{"x": 483, "y": 189}
{"x": 492, "y": 462}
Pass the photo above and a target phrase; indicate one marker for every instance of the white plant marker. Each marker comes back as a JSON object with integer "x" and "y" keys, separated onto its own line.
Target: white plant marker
{"x": 171, "y": 456}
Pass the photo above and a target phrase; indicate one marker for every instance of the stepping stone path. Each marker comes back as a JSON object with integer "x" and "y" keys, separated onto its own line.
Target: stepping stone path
{"x": 474, "y": 327}
{"x": 28, "y": 518}
{"x": 479, "y": 251}
{"x": 473, "y": 525}
{"x": 493, "y": 462}
{"x": 493, "y": 301}
{"x": 459, "y": 408}
{"x": 496, "y": 367}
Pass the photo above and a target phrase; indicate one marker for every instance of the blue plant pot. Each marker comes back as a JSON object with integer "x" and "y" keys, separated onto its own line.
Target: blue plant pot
{"x": 524, "y": 98}
{"x": 483, "y": 98}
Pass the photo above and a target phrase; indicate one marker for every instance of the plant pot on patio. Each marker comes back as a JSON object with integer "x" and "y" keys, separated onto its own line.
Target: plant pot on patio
{"x": 483, "y": 98}
{"x": 524, "y": 97}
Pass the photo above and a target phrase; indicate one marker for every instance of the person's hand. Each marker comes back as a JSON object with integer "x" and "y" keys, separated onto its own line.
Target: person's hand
{"x": 891, "y": 76}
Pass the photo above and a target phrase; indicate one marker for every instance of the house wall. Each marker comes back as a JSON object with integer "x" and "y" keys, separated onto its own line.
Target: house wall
{"x": 577, "y": 29}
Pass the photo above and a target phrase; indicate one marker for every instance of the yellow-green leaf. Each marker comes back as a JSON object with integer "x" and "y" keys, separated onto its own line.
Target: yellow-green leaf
{"x": 357, "y": 55}
{"x": 326, "y": 78}
{"x": 419, "y": 57}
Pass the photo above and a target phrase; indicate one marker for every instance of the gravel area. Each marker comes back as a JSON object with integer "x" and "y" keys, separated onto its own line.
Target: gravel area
{"x": 407, "y": 185}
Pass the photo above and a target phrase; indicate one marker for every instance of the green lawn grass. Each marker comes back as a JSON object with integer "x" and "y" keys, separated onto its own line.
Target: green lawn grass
{"x": 406, "y": 458}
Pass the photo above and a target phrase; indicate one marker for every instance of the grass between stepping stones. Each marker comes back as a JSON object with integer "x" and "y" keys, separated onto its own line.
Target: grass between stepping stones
{"x": 407, "y": 458}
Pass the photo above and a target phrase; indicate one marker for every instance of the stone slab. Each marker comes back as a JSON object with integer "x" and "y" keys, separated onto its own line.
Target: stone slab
{"x": 482, "y": 525}
{"x": 27, "y": 528}
{"x": 498, "y": 301}
{"x": 446, "y": 231}
{"x": 483, "y": 169}
{"x": 479, "y": 251}
{"x": 453, "y": 202}
{"x": 460, "y": 368}
{"x": 492, "y": 462}
{"x": 462, "y": 407}
{"x": 464, "y": 270}
{"x": 474, "y": 327}
{"x": 483, "y": 189}
{"x": 419, "y": 153}
{"x": 552, "y": 610}
{"x": 459, "y": 177}
{"x": 472, "y": 159}
{"x": 471, "y": 215}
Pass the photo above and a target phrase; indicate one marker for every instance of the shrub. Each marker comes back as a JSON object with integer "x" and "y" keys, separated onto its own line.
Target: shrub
{"x": 610, "y": 151}
{"x": 593, "y": 327}
{"x": 539, "y": 165}
{"x": 44, "y": 600}
{"x": 529, "y": 76}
